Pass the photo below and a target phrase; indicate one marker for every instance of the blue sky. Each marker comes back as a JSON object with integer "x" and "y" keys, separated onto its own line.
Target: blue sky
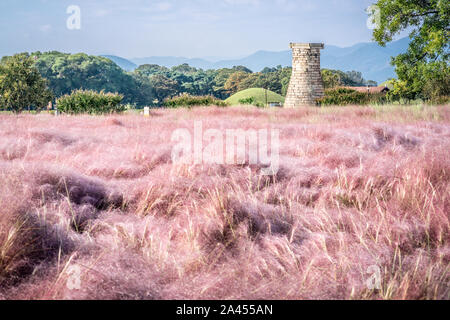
{"x": 189, "y": 28}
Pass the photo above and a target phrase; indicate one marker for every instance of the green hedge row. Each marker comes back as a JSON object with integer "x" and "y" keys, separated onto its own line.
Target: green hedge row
{"x": 187, "y": 100}
{"x": 90, "y": 102}
{"x": 345, "y": 96}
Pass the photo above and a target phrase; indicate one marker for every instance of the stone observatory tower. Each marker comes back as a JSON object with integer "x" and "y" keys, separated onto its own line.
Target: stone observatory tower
{"x": 306, "y": 83}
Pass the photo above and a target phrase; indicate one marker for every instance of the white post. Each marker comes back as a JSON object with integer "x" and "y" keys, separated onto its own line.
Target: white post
{"x": 146, "y": 112}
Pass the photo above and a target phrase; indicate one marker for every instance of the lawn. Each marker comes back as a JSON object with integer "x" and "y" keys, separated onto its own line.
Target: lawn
{"x": 94, "y": 208}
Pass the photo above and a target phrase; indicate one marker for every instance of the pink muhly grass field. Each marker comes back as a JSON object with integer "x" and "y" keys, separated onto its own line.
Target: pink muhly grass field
{"x": 93, "y": 208}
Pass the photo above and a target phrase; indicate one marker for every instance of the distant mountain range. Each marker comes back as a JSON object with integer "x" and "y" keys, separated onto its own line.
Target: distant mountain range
{"x": 370, "y": 59}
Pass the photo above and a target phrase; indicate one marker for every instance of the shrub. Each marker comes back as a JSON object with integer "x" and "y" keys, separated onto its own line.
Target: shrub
{"x": 91, "y": 102}
{"x": 187, "y": 100}
{"x": 250, "y": 100}
{"x": 343, "y": 96}
{"x": 378, "y": 98}
{"x": 440, "y": 100}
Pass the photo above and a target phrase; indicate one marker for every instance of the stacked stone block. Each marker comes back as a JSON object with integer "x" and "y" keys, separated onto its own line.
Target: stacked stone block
{"x": 306, "y": 85}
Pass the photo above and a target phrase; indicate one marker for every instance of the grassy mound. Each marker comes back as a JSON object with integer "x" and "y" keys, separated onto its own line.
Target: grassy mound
{"x": 258, "y": 95}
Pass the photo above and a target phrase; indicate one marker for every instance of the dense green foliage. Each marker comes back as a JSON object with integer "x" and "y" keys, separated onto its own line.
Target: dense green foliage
{"x": 163, "y": 83}
{"x": 186, "y": 100}
{"x": 257, "y": 96}
{"x": 90, "y": 102}
{"x": 21, "y": 85}
{"x": 273, "y": 79}
{"x": 249, "y": 101}
{"x": 423, "y": 71}
{"x": 182, "y": 79}
{"x": 343, "y": 96}
{"x": 68, "y": 72}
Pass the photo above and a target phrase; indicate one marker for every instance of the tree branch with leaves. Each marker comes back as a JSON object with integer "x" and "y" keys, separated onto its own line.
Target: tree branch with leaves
{"x": 427, "y": 58}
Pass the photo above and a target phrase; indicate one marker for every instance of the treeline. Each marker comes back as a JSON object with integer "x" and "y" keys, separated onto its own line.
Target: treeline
{"x": 150, "y": 85}
{"x": 69, "y": 72}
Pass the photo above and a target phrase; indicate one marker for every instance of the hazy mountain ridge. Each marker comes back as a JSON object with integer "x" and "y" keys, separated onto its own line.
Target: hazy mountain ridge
{"x": 125, "y": 64}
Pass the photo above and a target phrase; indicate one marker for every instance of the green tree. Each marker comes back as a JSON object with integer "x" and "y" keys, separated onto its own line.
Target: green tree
{"x": 427, "y": 57}
{"x": 150, "y": 70}
{"x": 21, "y": 85}
{"x": 330, "y": 78}
{"x": 242, "y": 68}
{"x": 249, "y": 82}
{"x": 164, "y": 87}
{"x": 233, "y": 84}
{"x": 68, "y": 72}
{"x": 220, "y": 79}
{"x": 285, "y": 78}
